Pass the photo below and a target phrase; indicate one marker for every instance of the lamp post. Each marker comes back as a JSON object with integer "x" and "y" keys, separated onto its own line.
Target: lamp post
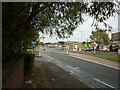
{"x": 94, "y": 48}
{"x": 81, "y": 36}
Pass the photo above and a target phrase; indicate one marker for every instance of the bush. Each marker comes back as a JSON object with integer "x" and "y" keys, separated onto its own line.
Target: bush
{"x": 28, "y": 63}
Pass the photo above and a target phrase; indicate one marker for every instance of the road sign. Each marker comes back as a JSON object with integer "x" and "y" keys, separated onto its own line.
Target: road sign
{"x": 34, "y": 44}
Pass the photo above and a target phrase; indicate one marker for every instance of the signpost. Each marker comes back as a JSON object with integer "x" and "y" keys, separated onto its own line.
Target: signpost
{"x": 94, "y": 47}
{"x": 33, "y": 45}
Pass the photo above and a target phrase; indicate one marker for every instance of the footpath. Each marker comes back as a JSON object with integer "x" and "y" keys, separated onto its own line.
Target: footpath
{"x": 48, "y": 75}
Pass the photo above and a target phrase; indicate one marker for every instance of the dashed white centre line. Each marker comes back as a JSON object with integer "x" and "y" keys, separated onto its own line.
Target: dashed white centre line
{"x": 103, "y": 83}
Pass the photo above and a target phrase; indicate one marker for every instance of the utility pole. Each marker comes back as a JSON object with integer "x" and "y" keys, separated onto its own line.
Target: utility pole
{"x": 119, "y": 18}
{"x": 81, "y": 36}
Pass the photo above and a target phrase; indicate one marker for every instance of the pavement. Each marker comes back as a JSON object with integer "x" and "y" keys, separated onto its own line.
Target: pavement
{"x": 48, "y": 75}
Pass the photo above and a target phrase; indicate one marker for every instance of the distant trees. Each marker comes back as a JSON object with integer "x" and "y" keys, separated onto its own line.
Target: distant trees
{"x": 48, "y": 43}
{"x": 21, "y": 21}
{"x": 100, "y": 37}
{"x": 61, "y": 43}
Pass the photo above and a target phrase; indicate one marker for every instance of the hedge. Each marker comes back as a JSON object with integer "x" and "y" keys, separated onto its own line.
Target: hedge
{"x": 28, "y": 63}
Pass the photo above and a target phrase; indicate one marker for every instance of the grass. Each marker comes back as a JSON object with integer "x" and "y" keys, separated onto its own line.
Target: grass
{"x": 117, "y": 58}
{"x": 110, "y": 57}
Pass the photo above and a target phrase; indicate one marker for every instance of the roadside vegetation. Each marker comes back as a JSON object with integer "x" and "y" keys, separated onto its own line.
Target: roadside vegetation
{"x": 28, "y": 63}
{"x": 22, "y": 22}
{"x": 116, "y": 58}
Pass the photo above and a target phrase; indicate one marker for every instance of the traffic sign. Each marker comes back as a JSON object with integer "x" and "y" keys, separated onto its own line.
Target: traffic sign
{"x": 34, "y": 44}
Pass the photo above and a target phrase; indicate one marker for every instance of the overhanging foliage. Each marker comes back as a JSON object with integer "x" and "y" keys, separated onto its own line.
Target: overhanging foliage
{"x": 21, "y": 22}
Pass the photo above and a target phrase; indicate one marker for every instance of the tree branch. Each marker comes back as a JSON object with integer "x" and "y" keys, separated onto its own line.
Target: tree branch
{"x": 36, "y": 10}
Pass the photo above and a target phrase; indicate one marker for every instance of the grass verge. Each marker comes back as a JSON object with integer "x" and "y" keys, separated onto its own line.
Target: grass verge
{"x": 117, "y": 58}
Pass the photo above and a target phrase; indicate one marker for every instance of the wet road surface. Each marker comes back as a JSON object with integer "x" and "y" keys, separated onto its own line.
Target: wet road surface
{"x": 95, "y": 75}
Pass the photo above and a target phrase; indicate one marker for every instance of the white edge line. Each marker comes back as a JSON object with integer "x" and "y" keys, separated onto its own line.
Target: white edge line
{"x": 52, "y": 58}
{"x": 77, "y": 77}
{"x": 96, "y": 62}
{"x": 103, "y": 83}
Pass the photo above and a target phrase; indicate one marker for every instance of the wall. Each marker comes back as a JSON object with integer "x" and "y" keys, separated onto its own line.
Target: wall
{"x": 13, "y": 73}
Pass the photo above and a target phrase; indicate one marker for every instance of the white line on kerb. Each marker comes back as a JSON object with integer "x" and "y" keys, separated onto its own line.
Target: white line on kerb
{"x": 103, "y": 83}
{"x": 96, "y": 62}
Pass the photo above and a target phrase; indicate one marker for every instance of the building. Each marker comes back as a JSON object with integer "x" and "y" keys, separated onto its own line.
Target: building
{"x": 73, "y": 45}
{"x": 116, "y": 38}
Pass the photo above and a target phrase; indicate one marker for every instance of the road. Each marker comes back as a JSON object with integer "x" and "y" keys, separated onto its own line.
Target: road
{"x": 93, "y": 74}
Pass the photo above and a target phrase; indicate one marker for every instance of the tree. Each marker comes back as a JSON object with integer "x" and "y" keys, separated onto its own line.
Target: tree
{"x": 48, "y": 43}
{"x": 55, "y": 18}
{"x": 21, "y": 22}
{"x": 100, "y": 37}
{"x": 61, "y": 42}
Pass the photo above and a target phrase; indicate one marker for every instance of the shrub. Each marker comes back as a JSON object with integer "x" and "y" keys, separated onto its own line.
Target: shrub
{"x": 28, "y": 63}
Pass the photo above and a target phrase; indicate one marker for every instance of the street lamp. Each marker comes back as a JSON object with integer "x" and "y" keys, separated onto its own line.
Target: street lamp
{"x": 81, "y": 36}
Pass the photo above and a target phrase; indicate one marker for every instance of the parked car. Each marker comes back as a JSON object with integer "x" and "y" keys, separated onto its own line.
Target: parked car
{"x": 89, "y": 49}
{"x": 115, "y": 48}
{"x": 44, "y": 49}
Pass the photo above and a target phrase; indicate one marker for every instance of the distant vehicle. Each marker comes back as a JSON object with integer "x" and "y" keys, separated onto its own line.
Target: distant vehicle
{"x": 44, "y": 49}
{"x": 30, "y": 50}
{"x": 89, "y": 49}
{"x": 38, "y": 54}
{"x": 62, "y": 48}
{"x": 115, "y": 48}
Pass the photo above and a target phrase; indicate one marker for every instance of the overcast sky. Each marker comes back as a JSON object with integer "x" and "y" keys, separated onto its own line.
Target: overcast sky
{"x": 85, "y": 29}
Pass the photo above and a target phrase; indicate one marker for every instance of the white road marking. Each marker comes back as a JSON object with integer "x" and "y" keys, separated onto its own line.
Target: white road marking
{"x": 96, "y": 62}
{"x": 50, "y": 58}
{"x": 103, "y": 83}
{"x": 73, "y": 68}
{"x": 71, "y": 72}
{"x": 76, "y": 67}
